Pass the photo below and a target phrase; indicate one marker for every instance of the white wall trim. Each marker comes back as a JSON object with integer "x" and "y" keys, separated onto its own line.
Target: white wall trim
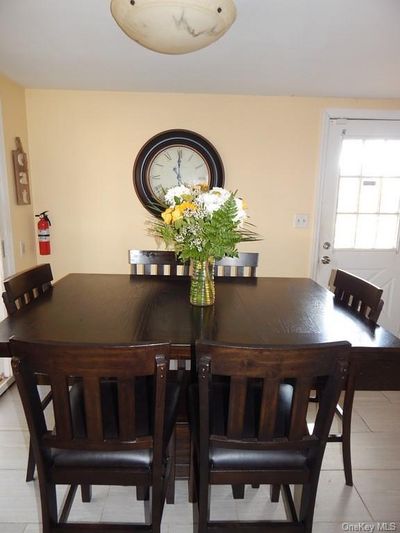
{"x": 362, "y": 114}
{"x": 318, "y": 192}
{"x": 7, "y": 265}
{"x": 338, "y": 113}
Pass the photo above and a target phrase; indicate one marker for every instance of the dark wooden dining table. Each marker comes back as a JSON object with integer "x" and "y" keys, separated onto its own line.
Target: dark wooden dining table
{"x": 118, "y": 308}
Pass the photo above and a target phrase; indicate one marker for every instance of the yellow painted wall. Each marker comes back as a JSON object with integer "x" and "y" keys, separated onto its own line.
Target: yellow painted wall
{"x": 12, "y": 98}
{"x": 83, "y": 145}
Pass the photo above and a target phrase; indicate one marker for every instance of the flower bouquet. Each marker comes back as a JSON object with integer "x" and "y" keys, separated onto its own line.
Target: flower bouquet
{"x": 203, "y": 225}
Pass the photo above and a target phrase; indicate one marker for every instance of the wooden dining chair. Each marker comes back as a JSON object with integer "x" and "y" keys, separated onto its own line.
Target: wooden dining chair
{"x": 243, "y": 265}
{"x": 364, "y": 299}
{"x": 24, "y": 287}
{"x": 360, "y": 295}
{"x": 248, "y": 416}
{"x": 21, "y": 290}
{"x": 156, "y": 262}
{"x": 111, "y": 427}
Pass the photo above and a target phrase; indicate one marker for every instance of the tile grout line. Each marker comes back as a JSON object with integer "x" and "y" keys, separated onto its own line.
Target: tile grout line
{"x": 364, "y": 503}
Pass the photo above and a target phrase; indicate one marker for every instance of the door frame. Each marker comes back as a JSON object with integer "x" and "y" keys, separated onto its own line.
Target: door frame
{"x": 5, "y": 212}
{"x": 344, "y": 114}
{"x": 7, "y": 266}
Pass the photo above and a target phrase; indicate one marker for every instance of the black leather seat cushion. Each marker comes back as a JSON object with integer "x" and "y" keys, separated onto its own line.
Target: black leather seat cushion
{"x": 238, "y": 459}
{"x": 136, "y": 459}
{"x": 133, "y": 459}
{"x": 234, "y": 459}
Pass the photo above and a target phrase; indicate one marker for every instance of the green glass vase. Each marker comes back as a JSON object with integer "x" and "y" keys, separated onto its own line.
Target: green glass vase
{"x": 202, "y": 288}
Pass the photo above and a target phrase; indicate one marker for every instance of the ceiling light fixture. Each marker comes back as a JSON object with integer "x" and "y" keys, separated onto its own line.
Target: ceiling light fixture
{"x": 174, "y": 26}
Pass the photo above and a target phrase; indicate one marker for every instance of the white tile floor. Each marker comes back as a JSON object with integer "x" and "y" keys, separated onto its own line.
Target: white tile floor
{"x": 374, "y": 498}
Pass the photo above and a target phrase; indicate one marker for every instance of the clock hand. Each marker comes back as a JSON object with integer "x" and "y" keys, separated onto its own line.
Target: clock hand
{"x": 178, "y": 175}
{"x": 177, "y": 170}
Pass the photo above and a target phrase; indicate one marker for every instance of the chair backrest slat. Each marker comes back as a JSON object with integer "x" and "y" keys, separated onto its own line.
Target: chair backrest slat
{"x": 61, "y": 406}
{"x": 363, "y": 308}
{"x": 160, "y": 270}
{"x": 268, "y": 411}
{"x": 156, "y": 262}
{"x": 298, "y": 421}
{"x": 126, "y": 406}
{"x": 93, "y": 411}
{"x": 24, "y": 287}
{"x": 240, "y": 271}
{"x": 243, "y": 265}
{"x": 147, "y": 270}
{"x": 237, "y": 405}
{"x": 361, "y": 295}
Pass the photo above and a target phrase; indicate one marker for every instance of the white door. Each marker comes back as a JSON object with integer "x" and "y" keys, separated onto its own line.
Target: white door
{"x": 360, "y": 208}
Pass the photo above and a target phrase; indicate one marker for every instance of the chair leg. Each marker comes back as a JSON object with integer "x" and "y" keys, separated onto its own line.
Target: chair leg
{"x": 194, "y": 488}
{"x": 48, "y": 500}
{"x": 86, "y": 493}
{"x": 346, "y": 432}
{"x": 30, "y": 469}
{"x": 66, "y": 508}
{"x": 147, "y": 505}
{"x": 192, "y": 476}
{"x": 170, "y": 496}
{"x": 274, "y": 492}
{"x": 238, "y": 491}
{"x": 203, "y": 506}
{"x": 307, "y": 505}
{"x": 156, "y": 507}
{"x": 142, "y": 493}
{"x": 201, "y": 509}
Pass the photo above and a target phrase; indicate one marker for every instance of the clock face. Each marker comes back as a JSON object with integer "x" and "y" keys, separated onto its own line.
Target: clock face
{"x": 176, "y": 165}
{"x": 172, "y": 158}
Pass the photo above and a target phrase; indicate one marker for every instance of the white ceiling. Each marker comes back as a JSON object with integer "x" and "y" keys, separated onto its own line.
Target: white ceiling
{"x": 347, "y": 48}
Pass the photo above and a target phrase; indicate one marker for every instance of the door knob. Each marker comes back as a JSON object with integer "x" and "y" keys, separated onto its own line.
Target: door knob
{"x": 325, "y": 259}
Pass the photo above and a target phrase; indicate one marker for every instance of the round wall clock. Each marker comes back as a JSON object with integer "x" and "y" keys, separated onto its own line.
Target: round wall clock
{"x": 172, "y": 158}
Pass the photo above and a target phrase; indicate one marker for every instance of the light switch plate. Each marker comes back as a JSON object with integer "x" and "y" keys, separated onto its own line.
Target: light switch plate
{"x": 301, "y": 220}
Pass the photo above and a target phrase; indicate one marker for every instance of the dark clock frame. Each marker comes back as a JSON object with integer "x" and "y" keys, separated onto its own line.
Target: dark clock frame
{"x": 160, "y": 142}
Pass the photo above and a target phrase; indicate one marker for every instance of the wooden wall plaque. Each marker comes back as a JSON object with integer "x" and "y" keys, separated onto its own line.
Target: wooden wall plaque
{"x": 21, "y": 174}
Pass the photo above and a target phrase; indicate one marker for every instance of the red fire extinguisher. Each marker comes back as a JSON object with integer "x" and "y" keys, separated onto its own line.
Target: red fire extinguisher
{"x": 44, "y": 233}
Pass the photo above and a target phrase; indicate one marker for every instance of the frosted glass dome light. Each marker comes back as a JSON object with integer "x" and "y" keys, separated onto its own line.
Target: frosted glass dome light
{"x": 174, "y": 26}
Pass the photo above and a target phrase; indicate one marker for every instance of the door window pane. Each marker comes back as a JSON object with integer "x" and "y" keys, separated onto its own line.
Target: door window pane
{"x": 369, "y": 196}
{"x": 351, "y": 157}
{"x": 368, "y": 208}
{"x": 374, "y": 157}
{"x": 386, "y": 234}
{"x": 348, "y": 195}
{"x": 390, "y": 195}
{"x": 392, "y": 158}
{"x": 345, "y": 231}
{"x": 366, "y": 230}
